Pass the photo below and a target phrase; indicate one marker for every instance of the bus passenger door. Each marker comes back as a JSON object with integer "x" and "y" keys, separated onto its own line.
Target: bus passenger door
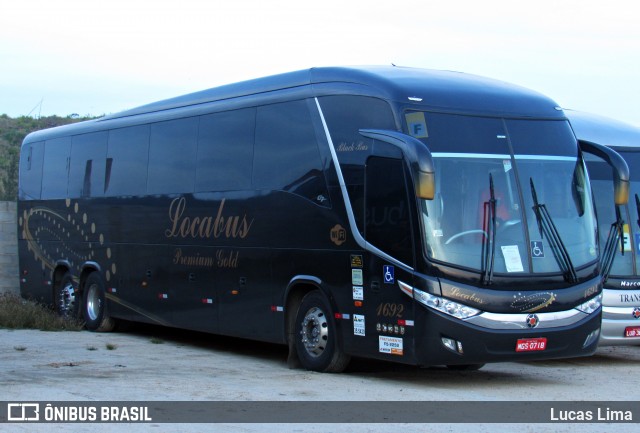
{"x": 388, "y": 229}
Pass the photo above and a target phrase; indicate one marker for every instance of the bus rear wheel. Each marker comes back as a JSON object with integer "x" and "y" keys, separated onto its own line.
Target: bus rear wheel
{"x": 94, "y": 310}
{"x": 67, "y": 300}
{"x": 316, "y": 336}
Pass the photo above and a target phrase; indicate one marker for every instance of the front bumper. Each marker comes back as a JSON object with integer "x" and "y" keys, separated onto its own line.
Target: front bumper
{"x": 484, "y": 345}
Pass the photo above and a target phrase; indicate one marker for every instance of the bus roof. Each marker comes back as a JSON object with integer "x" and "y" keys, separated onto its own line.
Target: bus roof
{"x": 453, "y": 91}
{"x": 603, "y": 130}
{"x": 445, "y": 91}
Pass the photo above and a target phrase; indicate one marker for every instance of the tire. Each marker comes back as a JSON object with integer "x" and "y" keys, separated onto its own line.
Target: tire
{"x": 316, "y": 336}
{"x": 67, "y": 298}
{"x": 94, "y": 305}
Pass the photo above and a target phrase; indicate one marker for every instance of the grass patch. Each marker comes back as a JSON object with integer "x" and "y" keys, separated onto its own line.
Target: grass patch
{"x": 155, "y": 340}
{"x": 111, "y": 346}
{"x": 18, "y": 313}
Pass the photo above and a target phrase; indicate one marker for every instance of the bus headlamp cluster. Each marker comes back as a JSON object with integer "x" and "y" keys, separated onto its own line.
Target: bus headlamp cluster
{"x": 443, "y": 305}
{"x": 591, "y": 305}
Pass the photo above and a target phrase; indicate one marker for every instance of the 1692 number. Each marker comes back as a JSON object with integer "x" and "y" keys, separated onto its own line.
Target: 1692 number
{"x": 386, "y": 309}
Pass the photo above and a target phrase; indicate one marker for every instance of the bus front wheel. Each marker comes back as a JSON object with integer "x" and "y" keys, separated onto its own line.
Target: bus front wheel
{"x": 95, "y": 312}
{"x": 316, "y": 337}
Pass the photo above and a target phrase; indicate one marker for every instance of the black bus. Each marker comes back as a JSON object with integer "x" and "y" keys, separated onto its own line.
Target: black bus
{"x": 423, "y": 217}
{"x": 618, "y": 224}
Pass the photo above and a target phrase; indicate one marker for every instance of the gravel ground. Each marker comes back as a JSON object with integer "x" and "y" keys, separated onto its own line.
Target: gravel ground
{"x": 159, "y": 364}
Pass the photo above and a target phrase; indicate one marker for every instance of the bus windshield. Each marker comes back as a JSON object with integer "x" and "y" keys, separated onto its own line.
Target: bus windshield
{"x": 511, "y": 197}
{"x": 626, "y": 262}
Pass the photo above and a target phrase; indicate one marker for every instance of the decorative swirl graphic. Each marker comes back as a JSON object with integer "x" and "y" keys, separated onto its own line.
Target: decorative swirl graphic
{"x": 53, "y": 236}
{"x": 533, "y": 301}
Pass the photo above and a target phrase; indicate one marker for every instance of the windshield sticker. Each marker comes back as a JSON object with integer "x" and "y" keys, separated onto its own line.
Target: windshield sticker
{"x": 417, "y": 124}
{"x": 626, "y": 238}
{"x": 356, "y": 277}
{"x": 512, "y": 258}
{"x": 358, "y": 293}
{"x": 356, "y": 261}
{"x": 390, "y": 345}
{"x": 358, "y": 325}
{"x": 537, "y": 250}
{"x": 507, "y": 165}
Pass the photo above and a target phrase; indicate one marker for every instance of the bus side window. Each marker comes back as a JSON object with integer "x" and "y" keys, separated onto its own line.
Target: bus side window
{"x": 55, "y": 168}
{"x": 87, "y": 166}
{"x": 286, "y": 155}
{"x": 345, "y": 116}
{"x": 225, "y": 151}
{"x": 172, "y": 156}
{"x": 388, "y": 225}
{"x": 127, "y": 161}
{"x": 31, "y": 171}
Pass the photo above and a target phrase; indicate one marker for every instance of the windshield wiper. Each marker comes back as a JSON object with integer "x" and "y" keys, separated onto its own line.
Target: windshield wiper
{"x": 615, "y": 234}
{"x": 489, "y": 240}
{"x": 546, "y": 225}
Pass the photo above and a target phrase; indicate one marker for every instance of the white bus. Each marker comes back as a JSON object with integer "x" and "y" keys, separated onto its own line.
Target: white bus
{"x": 621, "y": 294}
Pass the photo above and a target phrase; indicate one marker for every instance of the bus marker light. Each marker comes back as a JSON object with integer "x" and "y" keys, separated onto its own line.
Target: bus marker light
{"x": 163, "y": 296}
{"x": 207, "y": 301}
{"x": 591, "y": 338}
{"x": 234, "y": 292}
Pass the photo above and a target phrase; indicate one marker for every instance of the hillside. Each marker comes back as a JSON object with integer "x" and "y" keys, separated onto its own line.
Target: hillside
{"x": 12, "y": 132}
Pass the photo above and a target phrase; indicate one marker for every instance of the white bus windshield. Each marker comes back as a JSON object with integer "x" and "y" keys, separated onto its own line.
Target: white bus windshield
{"x": 627, "y": 261}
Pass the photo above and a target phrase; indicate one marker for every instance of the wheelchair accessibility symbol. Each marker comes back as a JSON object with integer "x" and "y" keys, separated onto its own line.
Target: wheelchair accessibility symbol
{"x": 537, "y": 250}
{"x": 388, "y": 274}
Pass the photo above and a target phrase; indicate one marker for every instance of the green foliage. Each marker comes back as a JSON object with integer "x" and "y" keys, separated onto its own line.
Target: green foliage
{"x": 12, "y": 132}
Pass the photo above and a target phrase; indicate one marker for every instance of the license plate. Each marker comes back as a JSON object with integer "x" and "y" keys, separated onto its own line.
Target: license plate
{"x": 632, "y": 331}
{"x": 531, "y": 344}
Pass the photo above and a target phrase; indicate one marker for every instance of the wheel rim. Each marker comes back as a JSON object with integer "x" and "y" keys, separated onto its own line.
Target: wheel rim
{"x": 315, "y": 332}
{"x": 94, "y": 303}
{"x": 66, "y": 299}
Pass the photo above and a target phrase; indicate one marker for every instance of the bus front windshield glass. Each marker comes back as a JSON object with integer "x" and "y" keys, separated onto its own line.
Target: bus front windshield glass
{"x": 511, "y": 196}
{"x": 627, "y": 260}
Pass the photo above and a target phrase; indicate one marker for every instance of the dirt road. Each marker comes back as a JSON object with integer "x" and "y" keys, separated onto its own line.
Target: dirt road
{"x": 156, "y": 364}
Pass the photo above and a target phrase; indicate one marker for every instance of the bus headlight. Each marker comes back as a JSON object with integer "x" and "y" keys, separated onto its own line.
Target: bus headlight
{"x": 591, "y": 305}
{"x": 443, "y": 305}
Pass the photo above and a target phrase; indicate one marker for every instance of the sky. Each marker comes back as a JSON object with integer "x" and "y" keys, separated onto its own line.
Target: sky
{"x": 91, "y": 57}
